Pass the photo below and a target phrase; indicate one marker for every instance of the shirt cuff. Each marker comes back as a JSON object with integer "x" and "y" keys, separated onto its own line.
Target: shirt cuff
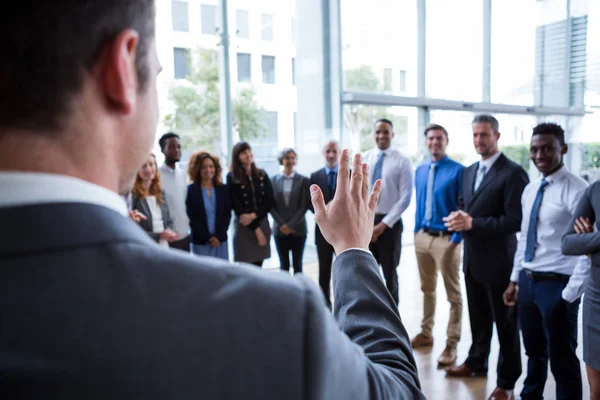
{"x": 355, "y": 248}
{"x": 569, "y": 295}
{"x": 514, "y": 276}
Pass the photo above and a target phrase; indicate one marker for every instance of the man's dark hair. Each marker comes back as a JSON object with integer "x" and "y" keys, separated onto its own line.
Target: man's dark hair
{"x": 550, "y": 128}
{"x": 47, "y": 47}
{"x": 486, "y": 118}
{"x": 435, "y": 127}
{"x": 162, "y": 142}
{"x": 387, "y": 121}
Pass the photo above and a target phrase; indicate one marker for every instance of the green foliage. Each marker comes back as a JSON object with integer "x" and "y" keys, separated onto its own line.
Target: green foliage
{"x": 196, "y": 103}
{"x": 519, "y": 153}
{"x": 359, "y": 119}
{"x": 590, "y": 153}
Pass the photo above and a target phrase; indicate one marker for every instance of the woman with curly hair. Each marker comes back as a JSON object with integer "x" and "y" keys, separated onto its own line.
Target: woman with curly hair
{"x": 251, "y": 195}
{"x": 208, "y": 206}
{"x": 149, "y": 199}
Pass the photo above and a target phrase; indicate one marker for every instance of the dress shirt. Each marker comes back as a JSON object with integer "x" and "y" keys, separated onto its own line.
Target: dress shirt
{"x": 560, "y": 200}
{"x": 489, "y": 163}
{"x": 446, "y": 190}
{"x": 397, "y": 183}
{"x": 26, "y": 188}
{"x": 288, "y": 182}
{"x": 174, "y": 183}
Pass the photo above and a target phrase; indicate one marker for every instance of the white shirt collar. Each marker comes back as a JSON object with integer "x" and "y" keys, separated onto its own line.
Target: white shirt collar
{"x": 290, "y": 176}
{"x": 556, "y": 175}
{"x": 26, "y": 188}
{"x": 165, "y": 168}
{"x": 489, "y": 163}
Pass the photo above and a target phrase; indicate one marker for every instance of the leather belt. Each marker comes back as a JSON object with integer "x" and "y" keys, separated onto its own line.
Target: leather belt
{"x": 545, "y": 276}
{"x": 435, "y": 233}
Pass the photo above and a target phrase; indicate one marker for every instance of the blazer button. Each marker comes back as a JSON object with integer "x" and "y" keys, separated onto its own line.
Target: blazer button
{"x": 243, "y": 186}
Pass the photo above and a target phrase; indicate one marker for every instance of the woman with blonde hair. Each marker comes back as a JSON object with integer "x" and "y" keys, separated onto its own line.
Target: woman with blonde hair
{"x": 208, "y": 206}
{"x": 149, "y": 199}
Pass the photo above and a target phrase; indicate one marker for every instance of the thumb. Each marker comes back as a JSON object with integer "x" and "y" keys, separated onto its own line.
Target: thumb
{"x": 318, "y": 201}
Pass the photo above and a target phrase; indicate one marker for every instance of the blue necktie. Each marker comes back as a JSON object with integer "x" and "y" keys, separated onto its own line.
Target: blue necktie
{"x": 378, "y": 168}
{"x": 331, "y": 181}
{"x": 429, "y": 195}
{"x": 532, "y": 228}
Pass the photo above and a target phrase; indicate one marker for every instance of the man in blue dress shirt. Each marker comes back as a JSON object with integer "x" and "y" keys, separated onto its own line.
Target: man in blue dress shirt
{"x": 438, "y": 182}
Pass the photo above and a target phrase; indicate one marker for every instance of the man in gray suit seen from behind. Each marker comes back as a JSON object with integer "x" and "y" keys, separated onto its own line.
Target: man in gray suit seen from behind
{"x": 92, "y": 308}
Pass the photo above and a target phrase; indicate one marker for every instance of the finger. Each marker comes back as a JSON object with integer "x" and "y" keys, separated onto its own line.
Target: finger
{"x": 577, "y": 230}
{"x": 365, "y": 185}
{"x": 374, "y": 198}
{"x": 343, "y": 173}
{"x": 318, "y": 202}
{"x": 580, "y": 225}
{"x": 357, "y": 175}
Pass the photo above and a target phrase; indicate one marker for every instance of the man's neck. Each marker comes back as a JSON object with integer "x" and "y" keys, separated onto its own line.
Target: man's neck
{"x": 332, "y": 167}
{"x": 170, "y": 164}
{"x": 490, "y": 155}
{"x": 554, "y": 170}
{"x": 288, "y": 172}
{"x": 436, "y": 158}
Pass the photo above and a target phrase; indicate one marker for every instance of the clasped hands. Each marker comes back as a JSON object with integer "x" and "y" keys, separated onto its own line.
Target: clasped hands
{"x": 458, "y": 221}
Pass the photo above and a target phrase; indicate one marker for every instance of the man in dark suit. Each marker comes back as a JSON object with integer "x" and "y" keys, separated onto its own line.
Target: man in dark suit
{"x": 490, "y": 217}
{"x": 92, "y": 308}
{"x": 326, "y": 179}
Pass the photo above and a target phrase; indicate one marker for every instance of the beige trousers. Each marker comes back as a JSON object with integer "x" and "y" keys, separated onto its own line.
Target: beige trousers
{"x": 433, "y": 254}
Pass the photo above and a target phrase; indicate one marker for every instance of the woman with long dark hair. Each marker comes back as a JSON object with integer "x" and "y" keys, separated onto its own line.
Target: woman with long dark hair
{"x": 208, "y": 206}
{"x": 582, "y": 239}
{"x": 149, "y": 200}
{"x": 251, "y": 195}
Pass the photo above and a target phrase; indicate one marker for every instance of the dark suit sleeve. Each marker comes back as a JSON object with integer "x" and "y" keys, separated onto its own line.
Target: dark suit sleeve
{"x": 190, "y": 205}
{"x": 224, "y": 219}
{"x": 303, "y": 205}
{"x": 236, "y": 200}
{"x": 510, "y": 221}
{"x": 310, "y": 183}
{"x": 372, "y": 355}
{"x": 265, "y": 206}
{"x": 575, "y": 244}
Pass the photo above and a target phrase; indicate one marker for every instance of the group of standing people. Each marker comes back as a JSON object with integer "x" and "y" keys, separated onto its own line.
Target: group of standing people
{"x": 484, "y": 206}
{"x": 532, "y": 283}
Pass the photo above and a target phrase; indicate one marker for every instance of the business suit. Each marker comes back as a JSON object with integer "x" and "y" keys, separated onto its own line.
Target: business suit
{"x": 325, "y": 251}
{"x": 489, "y": 249}
{"x": 291, "y": 214}
{"x": 93, "y": 309}
{"x": 197, "y": 214}
{"x": 142, "y": 206}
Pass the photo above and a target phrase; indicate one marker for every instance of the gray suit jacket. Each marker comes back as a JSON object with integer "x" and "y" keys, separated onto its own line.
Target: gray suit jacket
{"x": 142, "y": 206}
{"x": 92, "y": 308}
{"x": 293, "y": 213}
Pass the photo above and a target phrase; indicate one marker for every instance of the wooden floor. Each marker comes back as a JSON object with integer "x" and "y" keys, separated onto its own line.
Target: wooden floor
{"x": 433, "y": 380}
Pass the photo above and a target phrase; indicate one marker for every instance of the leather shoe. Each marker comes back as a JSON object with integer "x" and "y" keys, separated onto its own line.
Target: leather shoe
{"x": 421, "y": 341}
{"x": 448, "y": 356}
{"x": 463, "y": 371}
{"x": 502, "y": 394}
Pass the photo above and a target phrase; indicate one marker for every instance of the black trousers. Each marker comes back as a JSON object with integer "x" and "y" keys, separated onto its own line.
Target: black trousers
{"x": 325, "y": 254}
{"x": 486, "y": 306}
{"x": 181, "y": 244}
{"x": 549, "y": 327}
{"x": 287, "y": 244}
{"x": 387, "y": 252}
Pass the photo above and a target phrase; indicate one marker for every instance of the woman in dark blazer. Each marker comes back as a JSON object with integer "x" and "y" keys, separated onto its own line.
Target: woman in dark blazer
{"x": 208, "y": 206}
{"x": 582, "y": 239}
{"x": 148, "y": 199}
{"x": 291, "y": 202}
{"x": 251, "y": 196}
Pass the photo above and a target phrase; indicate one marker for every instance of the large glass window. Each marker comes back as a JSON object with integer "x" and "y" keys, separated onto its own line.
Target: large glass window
{"x": 454, "y": 56}
{"x": 179, "y": 15}
{"x": 181, "y": 62}
{"x": 244, "y": 69}
{"x": 241, "y": 23}
{"x": 384, "y": 39}
{"x": 209, "y": 19}
{"x": 268, "y": 69}
{"x": 267, "y": 27}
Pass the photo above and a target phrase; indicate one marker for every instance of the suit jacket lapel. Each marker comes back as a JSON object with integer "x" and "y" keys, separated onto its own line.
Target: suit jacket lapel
{"x": 326, "y": 193}
{"x": 279, "y": 190}
{"x": 489, "y": 177}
